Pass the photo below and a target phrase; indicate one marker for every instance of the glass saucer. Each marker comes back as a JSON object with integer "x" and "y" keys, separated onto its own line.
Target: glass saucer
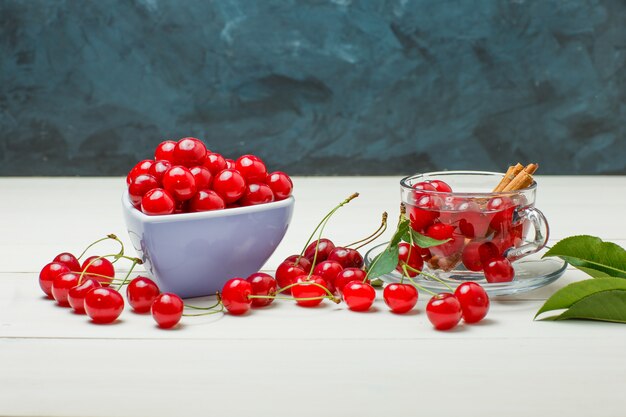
{"x": 531, "y": 272}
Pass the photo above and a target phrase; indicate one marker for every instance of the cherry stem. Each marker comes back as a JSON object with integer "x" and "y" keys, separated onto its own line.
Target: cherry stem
{"x": 321, "y": 224}
{"x": 415, "y": 284}
{"x": 219, "y": 301}
{"x": 207, "y": 313}
{"x": 426, "y": 274}
{"x": 333, "y": 298}
{"x": 400, "y": 219}
{"x": 110, "y": 236}
{"x": 330, "y": 294}
{"x": 369, "y": 239}
{"x": 125, "y": 280}
{"x": 112, "y": 255}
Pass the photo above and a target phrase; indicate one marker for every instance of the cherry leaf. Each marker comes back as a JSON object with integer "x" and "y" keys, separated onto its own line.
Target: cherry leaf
{"x": 384, "y": 263}
{"x": 425, "y": 241}
{"x": 603, "y": 306}
{"x": 403, "y": 228}
{"x": 592, "y": 256}
{"x": 572, "y": 293}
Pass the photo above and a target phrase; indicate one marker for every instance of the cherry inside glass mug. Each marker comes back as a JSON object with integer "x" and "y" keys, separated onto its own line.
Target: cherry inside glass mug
{"x": 470, "y": 216}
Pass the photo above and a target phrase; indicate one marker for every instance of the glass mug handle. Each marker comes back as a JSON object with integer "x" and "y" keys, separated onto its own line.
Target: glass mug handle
{"x": 542, "y": 233}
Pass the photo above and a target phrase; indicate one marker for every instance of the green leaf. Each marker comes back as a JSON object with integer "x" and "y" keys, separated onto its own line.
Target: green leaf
{"x": 603, "y": 306}
{"x": 572, "y": 293}
{"x": 384, "y": 263}
{"x": 376, "y": 282}
{"x": 592, "y": 256}
{"x": 425, "y": 241}
{"x": 403, "y": 227}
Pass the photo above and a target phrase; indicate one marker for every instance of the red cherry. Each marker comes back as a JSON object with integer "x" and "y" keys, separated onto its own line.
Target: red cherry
{"x": 139, "y": 186}
{"x": 235, "y": 296}
{"x": 189, "y": 152}
{"x": 474, "y": 301}
{"x": 206, "y": 200}
{"x": 142, "y": 167}
{"x": 281, "y": 185}
{"x": 472, "y": 221}
{"x": 440, "y": 186}
{"x": 230, "y": 185}
{"x": 103, "y": 305}
{"x": 257, "y": 194}
{"x": 444, "y": 311}
{"x": 348, "y": 275}
{"x": 230, "y": 163}
{"x": 262, "y": 284}
{"x": 76, "y": 295}
{"x": 325, "y": 247}
{"x": 499, "y": 270}
{"x": 301, "y": 261}
{"x": 471, "y": 256}
{"x": 159, "y": 168}
{"x": 103, "y": 267}
{"x": 309, "y": 287}
{"x": 62, "y": 285}
{"x": 179, "y": 182}
{"x": 215, "y": 163}
{"x": 328, "y": 270}
{"x": 410, "y": 256}
{"x": 359, "y": 295}
{"x": 424, "y": 212}
{"x": 424, "y": 185}
{"x": 501, "y": 210}
{"x": 165, "y": 151}
{"x": 141, "y": 293}
{"x": 488, "y": 251}
{"x": 287, "y": 272}
{"x": 450, "y": 248}
{"x": 157, "y": 202}
{"x": 440, "y": 231}
{"x": 252, "y": 168}
{"x": 348, "y": 258}
{"x": 167, "y": 309}
{"x": 202, "y": 177}
{"x": 400, "y": 298}
{"x": 48, "y": 274}
{"x": 68, "y": 260}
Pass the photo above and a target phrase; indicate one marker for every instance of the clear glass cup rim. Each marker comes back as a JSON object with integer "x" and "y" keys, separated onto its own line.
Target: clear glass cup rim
{"x": 405, "y": 183}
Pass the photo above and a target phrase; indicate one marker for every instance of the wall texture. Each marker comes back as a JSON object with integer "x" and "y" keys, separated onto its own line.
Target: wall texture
{"x": 315, "y": 87}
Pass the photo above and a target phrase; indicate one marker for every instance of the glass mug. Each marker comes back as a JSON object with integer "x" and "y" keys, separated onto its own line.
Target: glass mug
{"x": 470, "y": 216}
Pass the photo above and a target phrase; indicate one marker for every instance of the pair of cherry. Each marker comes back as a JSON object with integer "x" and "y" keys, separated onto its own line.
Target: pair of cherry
{"x": 185, "y": 176}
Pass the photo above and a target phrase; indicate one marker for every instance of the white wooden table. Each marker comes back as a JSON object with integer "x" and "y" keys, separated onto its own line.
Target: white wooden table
{"x": 291, "y": 361}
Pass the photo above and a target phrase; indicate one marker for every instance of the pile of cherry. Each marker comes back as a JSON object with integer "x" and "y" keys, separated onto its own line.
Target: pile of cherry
{"x": 185, "y": 176}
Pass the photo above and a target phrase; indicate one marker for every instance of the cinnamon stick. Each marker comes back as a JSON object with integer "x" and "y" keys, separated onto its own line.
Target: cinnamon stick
{"x": 510, "y": 175}
{"x": 522, "y": 180}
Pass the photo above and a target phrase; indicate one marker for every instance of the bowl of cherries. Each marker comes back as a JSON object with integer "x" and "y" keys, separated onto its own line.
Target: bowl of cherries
{"x": 196, "y": 219}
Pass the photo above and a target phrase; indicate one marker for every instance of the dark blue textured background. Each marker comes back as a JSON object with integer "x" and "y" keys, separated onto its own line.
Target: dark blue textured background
{"x": 315, "y": 87}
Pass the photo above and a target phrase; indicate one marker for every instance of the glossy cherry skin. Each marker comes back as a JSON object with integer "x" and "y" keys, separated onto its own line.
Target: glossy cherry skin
{"x": 158, "y": 169}
{"x": 215, "y": 163}
{"x": 499, "y": 270}
{"x": 230, "y": 185}
{"x": 440, "y": 231}
{"x": 262, "y": 284}
{"x": 167, "y": 310}
{"x": 400, "y": 298}
{"x": 206, "y": 200}
{"x": 309, "y": 287}
{"x": 141, "y": 293}
{"x": 502, "y": 218}
{"x": 474, "y": 301}
{"x": 359, "y": 296}
{"x": 287, "y": 272}
{"x": 424, "y": 185}
{"x": 68, "y": 260}
{"x": 76, "y": 295}
{"x": 62, "y": 285}
{"x": 328, "y": 271}
{"x": 157, "y": 202}
{"x": 100, "y": 266}
{"x": 280, "y": 183}
{"x": 471, "y": 256}
{"x": 325, "y": 247}
{"x": 411, "y": 257}
{"x": 139, "y": 186}
{"x": 142, "y": 167}
{"x": 230, "y": 163}
{"x": 256, "y": 194}
{"x": 202, "y": 177}
{"x": 424, "y": 212}
{"x": 252, "y": 168}
{"x": 235, "y": 296}
{"x": 348, "y": 275}
{"x": 165, "y": 151}
{"x": 179, "y": 182}
{"x": 47, "y": 275}
{"x": 348, "y": 258}
{"x": 189, "y": 152}
{"x": 444, "y": 311}
{"x": 103, "y": 305}
{"x": 301, "y": 261}
{"x": 440, "y": 186}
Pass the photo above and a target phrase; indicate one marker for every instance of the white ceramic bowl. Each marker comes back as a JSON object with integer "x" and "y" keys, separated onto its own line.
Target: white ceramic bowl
{"x": 194, "y": 254}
